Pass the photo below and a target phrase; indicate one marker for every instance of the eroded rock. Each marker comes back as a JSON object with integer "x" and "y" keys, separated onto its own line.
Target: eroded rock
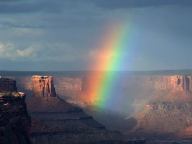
{"x": 43, "y": 86}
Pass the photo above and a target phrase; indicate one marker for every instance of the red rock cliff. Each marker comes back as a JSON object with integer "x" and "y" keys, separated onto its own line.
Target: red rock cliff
{"x": 43, "y": 86}
{"x": 177, "y": 83}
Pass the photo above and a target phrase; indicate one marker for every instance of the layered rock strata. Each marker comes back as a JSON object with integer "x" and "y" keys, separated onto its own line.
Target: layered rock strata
{"x": 165, "y": 118}
{"x": 169, "y": 114}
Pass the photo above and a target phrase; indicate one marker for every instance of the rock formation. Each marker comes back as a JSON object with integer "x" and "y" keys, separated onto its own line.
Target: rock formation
{"x": 14, "y": 119}
{"x": 56, "y": 121}
{"x": 43, "y": 86}
{"x": 165, "y": 117}
{"x": 186, "y": 83}
{"x": 171, "y": 113}
{"x": 144, "y": 90}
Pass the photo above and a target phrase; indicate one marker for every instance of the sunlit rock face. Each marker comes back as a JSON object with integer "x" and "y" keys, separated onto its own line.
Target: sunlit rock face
{"x": 177, "y": 84}
{"x": 43, "y": 86}
{"x": 14, "y": 119}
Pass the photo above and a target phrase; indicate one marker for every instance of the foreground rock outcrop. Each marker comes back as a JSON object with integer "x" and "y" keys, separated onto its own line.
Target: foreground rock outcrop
{"x": 14, "y": 118}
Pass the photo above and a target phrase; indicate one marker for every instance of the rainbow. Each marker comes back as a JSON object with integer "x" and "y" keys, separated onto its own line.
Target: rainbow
{"x": 108, "y": 59}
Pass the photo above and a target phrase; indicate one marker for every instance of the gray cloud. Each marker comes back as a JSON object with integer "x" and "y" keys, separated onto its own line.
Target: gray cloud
{"x": 7, "y": 1}
{"x": 21, "y": 6}
{"x": 9, "y": 51}
{"x": 139, "y": 3}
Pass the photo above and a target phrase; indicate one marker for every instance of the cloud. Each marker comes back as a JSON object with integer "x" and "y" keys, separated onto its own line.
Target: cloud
{"x": 113, "y": 4}
{"x": 5, "y": 1}
{"x": 25, "y": 52}
{"x": 27, "y": 6}
{"x": 9, "y": 51}
{"x": 69, "y": 31}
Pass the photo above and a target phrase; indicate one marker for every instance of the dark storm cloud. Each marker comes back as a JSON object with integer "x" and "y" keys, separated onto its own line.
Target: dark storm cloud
{"x": 139, "y": 3}
{"x": 28, "y": 6}
{"x": 5, "y": 1}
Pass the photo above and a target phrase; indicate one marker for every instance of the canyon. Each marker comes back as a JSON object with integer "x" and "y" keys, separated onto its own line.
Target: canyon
{"x": 56, "y": 121}
{"x": 51, "y": 120}
{"x": 154, "y": 105}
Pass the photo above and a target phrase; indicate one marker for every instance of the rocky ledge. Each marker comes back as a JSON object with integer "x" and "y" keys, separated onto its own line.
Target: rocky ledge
{"x": 14, "y": 119}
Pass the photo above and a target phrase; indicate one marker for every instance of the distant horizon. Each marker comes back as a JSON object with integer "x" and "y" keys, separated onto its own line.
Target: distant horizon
{"x": 155, "y": 70}
{"x": 74, "y": 73}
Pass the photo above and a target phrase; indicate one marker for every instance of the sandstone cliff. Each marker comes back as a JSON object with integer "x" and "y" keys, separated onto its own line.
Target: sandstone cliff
{"x": 43, "y": 86}
{"x": 135, "y": 87}
{"x": 14, "y": 118}
{"x": 181, "y": 84}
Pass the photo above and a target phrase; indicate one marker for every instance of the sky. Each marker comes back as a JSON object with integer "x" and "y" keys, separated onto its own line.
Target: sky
{"x": 65, "y": 34}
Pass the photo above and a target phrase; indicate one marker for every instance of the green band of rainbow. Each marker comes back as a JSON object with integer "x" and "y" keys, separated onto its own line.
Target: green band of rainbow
{"x": 109, "y": 59}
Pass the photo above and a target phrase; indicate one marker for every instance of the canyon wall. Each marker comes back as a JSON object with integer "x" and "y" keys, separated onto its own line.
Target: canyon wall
{"x": 168, "y": 112}
{"x": 135, "y": 90}
{"x": 177, "y": 84}
{"x": 152, "y": 100}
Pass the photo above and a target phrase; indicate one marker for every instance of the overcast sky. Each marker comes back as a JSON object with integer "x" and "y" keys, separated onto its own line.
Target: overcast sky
{"x": 63, "y": 34}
